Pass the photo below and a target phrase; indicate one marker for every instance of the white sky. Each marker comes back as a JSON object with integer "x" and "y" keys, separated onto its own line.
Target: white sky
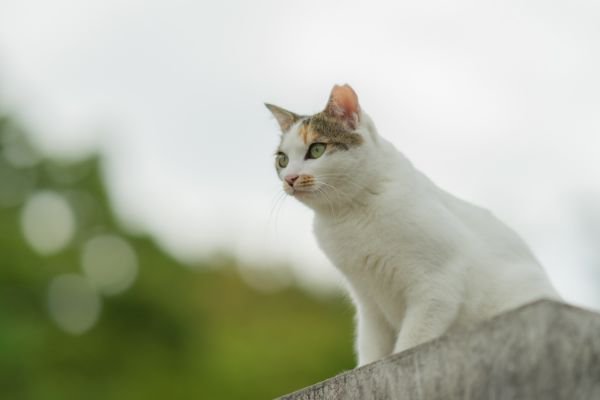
{"x": 498, "y": 102}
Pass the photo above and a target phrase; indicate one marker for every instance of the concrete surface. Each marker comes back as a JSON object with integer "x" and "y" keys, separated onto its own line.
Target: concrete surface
{"x": 544, "y": 350}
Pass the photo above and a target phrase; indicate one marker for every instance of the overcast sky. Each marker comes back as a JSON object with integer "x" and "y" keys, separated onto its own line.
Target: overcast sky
{"x": 498, "y": 102}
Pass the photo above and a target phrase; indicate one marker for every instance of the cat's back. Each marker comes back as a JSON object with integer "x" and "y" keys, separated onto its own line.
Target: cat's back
{"x": 494, "y": 235}
{"x": 505, "y": 266}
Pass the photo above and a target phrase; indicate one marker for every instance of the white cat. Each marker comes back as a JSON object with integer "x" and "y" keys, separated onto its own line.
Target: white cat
{"x": 419, "y": 262}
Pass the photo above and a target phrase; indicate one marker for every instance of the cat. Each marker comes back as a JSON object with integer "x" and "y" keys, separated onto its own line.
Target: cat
{"x": 418, "y": 261}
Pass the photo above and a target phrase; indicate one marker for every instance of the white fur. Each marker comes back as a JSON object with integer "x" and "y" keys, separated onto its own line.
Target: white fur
{"x": 419, "y": 262}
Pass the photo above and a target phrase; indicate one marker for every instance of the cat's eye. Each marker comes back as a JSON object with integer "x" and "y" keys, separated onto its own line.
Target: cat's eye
{"x": 316, "y": 150}
{"x": 282, "y": 160}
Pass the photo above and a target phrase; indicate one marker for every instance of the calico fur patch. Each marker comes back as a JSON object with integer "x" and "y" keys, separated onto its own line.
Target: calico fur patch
{"x": 327, "y": 129}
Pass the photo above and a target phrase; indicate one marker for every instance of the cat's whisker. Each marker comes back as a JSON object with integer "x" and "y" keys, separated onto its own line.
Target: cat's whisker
{"x": 348, "y": 177}
{"x": 344, "y": 194}
{"x": 329, "y": 202}
{"x": 346, "y": 180}
{"x": 276, "y": 208}
{"x": 284, "y": 196}
{"x": 274, "y": 200}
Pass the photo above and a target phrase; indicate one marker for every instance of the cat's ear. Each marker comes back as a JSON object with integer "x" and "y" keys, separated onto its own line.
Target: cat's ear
{"x": 285, "y": 118}
{"x": 343, "y": 104}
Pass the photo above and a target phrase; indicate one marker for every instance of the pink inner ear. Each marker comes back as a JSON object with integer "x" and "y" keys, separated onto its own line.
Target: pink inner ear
{"x": 343, "y": 103}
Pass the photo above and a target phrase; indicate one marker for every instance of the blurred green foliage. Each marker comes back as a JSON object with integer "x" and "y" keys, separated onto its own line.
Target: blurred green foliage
{"x": 177, "y": 333}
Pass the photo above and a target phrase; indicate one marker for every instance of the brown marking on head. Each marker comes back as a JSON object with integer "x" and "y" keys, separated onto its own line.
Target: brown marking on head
{"x": 324, "y": 128}
{"x": 334, "y": 126}
{"x": 305, "y": 132}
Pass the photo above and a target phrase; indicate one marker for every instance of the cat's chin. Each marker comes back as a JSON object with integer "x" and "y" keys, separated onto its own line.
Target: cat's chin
{"x": 304, "y": 196}
{"x": 310, "y": 197}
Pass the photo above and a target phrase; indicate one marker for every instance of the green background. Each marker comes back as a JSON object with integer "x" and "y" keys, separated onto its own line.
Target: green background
{"x": 179, "y": 332}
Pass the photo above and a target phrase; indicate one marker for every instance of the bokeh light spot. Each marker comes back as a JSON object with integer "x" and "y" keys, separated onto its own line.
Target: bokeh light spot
{"x": 110, "y": 263}
{"x": 48, "y": 222}
{"x": 73, "y": 303}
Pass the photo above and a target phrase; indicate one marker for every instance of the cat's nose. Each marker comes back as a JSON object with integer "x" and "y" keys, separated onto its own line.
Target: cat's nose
{"x": 290, "y": 179}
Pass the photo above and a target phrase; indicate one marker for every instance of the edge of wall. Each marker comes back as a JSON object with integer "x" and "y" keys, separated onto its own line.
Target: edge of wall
{"x": 545, "y": 349}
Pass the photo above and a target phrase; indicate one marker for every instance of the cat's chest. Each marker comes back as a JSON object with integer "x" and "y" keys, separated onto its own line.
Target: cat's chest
{"x": 371, "y": 256}
{"x": 356, "y": 244}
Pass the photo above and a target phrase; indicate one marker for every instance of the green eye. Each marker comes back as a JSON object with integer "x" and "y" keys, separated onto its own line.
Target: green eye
{"x": 282, "y": 160}
{"x": 316, "y": 150}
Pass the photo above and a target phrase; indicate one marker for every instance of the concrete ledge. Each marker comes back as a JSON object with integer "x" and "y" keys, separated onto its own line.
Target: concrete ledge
{"x": 544, "y": 350}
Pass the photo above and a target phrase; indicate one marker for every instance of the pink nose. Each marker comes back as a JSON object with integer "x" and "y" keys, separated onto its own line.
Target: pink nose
{"x": 290, "y": 179}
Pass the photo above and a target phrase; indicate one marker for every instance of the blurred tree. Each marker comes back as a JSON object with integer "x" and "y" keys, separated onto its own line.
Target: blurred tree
{"x": 175, "y": 333}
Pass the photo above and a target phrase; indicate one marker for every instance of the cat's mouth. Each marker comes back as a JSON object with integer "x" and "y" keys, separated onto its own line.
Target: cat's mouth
{"x": 300, "y": 191}
{"x": 302, "y": 186}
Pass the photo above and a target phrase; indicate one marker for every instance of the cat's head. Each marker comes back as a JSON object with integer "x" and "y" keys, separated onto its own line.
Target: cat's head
{"x": 322, "y": 159}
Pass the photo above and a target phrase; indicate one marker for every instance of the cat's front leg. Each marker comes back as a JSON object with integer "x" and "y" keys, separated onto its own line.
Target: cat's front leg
{"x": 425, "y": 320}
{"x": 375, "y": 337}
